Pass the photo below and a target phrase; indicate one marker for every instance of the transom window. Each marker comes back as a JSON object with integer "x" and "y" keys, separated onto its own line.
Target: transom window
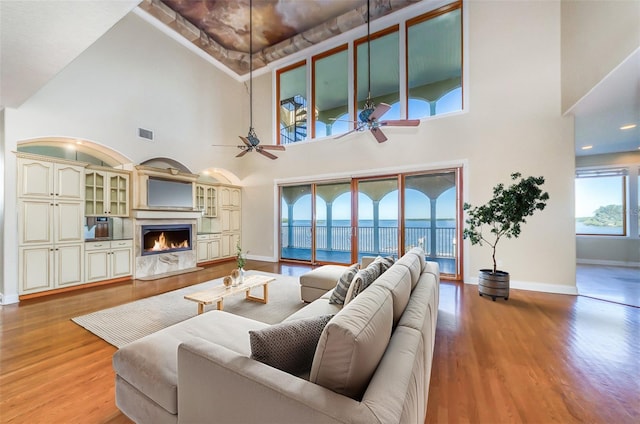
{"x": 418, "y": 74}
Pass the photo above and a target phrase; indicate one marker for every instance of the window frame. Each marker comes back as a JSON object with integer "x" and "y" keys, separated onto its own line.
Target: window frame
{"x": 622, "y": 174}
{"x": 279, "y": 72}
{"x": 314, "y": 59}
{"x": 357, "y": 42}
{"x": 423, "y": 18}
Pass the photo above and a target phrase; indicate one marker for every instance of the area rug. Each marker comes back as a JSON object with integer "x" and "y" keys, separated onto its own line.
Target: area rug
{"x": 125, "y": 323}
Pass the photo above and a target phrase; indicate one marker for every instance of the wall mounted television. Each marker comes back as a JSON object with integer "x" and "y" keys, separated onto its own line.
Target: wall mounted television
{"x": 163, "y": 193}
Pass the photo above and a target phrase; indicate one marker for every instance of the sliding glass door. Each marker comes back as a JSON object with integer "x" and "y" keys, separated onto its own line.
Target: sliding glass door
{"x": 431, "y": 217}
{"x": 377, "y": 217}
{"x": 342, "y": 221}
{"x": 333, "y": 222}
{"x": 295, "y": 222}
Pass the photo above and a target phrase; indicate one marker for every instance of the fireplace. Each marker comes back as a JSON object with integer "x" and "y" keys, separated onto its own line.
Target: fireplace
{"x": 164, "y": 242}
{"x": 165, "y": 238}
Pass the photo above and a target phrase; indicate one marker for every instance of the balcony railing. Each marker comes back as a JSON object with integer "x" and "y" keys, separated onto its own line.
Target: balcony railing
{"x": 339, "y": 239}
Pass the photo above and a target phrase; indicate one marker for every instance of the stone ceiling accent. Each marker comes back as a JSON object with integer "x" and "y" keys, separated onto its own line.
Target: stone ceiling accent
{"x": 280, "y": 27}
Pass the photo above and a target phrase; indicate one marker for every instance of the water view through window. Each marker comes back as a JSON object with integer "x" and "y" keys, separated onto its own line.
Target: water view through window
{"x": 319, "y": 223}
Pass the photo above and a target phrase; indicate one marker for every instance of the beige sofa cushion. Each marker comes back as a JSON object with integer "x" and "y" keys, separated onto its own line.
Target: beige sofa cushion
{"x": 353, "y": 343}
{"x": 412, "y": 262}
{"x": 149, "y": 364}
{"x": 398, "y": 280}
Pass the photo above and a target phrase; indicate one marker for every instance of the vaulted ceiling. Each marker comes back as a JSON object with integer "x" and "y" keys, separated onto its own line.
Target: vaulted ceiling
{"x": 280, "y": 27}
{"x": 38, "y": 39}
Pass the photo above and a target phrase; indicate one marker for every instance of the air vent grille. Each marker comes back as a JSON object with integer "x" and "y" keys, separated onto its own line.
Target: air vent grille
{"x": 146, "y": 134}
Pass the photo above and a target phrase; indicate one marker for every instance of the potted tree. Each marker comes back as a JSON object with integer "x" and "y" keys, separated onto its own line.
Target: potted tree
{"x": 503, "y": 215}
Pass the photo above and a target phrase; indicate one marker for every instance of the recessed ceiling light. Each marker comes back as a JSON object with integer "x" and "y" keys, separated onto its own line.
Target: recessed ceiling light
{"x": 628, "y": 127}
{"x": 78, "y": 141}
{"x": 205, "y": 172}
{"x": 587, "y": 147}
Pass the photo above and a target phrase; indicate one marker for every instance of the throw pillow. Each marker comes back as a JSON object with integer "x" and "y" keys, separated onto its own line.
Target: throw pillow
{"x": 385, "y": 263}
{"x": 290, "y": 345}
{"x": 354, "y": 289}
{"x": 364, "y": 278}
{"x": 340, "y": 292}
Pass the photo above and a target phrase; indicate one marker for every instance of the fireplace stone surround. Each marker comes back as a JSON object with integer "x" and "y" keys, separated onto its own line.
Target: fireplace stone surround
{"x": 163, "y": 263}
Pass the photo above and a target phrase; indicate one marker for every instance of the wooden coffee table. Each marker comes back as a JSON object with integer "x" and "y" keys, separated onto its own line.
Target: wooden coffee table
{"x": 218, "y": 293}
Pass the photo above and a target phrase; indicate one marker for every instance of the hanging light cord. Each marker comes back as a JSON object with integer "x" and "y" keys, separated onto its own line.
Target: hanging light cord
{"x": 250, "y": 65}
{"x": 368, "y": 49}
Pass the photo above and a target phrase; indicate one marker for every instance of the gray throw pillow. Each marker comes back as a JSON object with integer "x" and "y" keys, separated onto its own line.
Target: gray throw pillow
{"x": 290, "y": 345}
{"x": 365, "y": 277}
{"x": 340, "y": 292}
{"x": 385, "y": 263}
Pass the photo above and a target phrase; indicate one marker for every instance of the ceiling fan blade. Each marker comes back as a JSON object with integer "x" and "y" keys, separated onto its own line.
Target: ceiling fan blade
{"x": 273, "y": 147}
{"x": 245, "y": 140}
{"x": 265, "y": 153}
{"x": 379, "y": 135}
{"x": 242, "y": 153}
{"x": 401, "y": 123}
{"x": 380, "y": 110}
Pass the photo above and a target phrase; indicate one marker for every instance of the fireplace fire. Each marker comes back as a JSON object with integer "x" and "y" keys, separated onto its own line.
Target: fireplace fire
{"x": 165, "y": 238}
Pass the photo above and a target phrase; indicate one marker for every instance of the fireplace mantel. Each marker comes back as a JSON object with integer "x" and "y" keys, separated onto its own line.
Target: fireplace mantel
{"x": 165, "y": 214}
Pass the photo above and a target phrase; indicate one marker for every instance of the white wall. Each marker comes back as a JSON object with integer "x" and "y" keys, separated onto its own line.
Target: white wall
{"x": 513, "y": 123}
{"x": 134, "y": 76}
{"x": 596, "y": 37}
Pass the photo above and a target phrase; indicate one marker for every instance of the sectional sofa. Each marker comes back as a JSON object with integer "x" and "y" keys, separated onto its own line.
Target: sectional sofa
{"x": 371, "y": 364}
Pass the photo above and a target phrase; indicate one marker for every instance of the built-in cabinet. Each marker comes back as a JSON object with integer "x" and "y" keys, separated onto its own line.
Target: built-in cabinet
{"x": 227, "y": 218}
{"x": 105, "y": 260}
{"x": 230, "y": 217}
{"x": 50, "y": 224}
{"x": 208, "y": 247}
{"x": 54, "y": 197}
{"x": 207, "y": 200}
{"x": 107, "y": 192}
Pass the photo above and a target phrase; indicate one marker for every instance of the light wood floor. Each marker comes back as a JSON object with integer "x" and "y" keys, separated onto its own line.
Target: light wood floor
{"x": 536, "y": 358}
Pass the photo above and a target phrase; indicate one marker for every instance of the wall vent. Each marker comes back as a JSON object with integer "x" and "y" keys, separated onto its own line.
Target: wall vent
{"x": 146, "y": 134}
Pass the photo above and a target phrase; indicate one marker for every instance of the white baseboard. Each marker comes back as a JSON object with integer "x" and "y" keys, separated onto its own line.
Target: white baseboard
{"x": 539, "y": 287}
{"x": 608, "y": 263}
{"x": 262, "y": 258}
{"x": 8, "y": 299}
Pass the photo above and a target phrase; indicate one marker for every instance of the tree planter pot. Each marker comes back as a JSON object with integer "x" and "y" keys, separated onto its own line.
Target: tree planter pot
{"x": 493, "y": 284}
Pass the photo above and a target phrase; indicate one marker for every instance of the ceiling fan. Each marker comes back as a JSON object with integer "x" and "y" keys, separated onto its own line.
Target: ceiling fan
{"x": 251, "y": 141}
{"x": 369, "y": 117}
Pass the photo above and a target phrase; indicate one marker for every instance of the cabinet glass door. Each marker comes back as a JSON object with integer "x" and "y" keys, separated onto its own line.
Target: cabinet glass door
{"x": 118, "y": 195}
{"x": 94, "y": 194}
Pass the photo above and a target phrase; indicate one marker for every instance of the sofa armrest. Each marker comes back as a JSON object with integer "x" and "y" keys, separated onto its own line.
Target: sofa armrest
{"x": 216, "y": 384}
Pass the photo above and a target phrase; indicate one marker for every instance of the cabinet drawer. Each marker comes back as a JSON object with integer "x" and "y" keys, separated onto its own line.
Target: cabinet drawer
{"x": 116, "y": 244}
{"x": 97, "y": 245}
{"x": 204, "y": 236}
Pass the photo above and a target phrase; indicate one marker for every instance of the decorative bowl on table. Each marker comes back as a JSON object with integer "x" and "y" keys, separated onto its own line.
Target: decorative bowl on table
{"x": 227, "y": 281}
